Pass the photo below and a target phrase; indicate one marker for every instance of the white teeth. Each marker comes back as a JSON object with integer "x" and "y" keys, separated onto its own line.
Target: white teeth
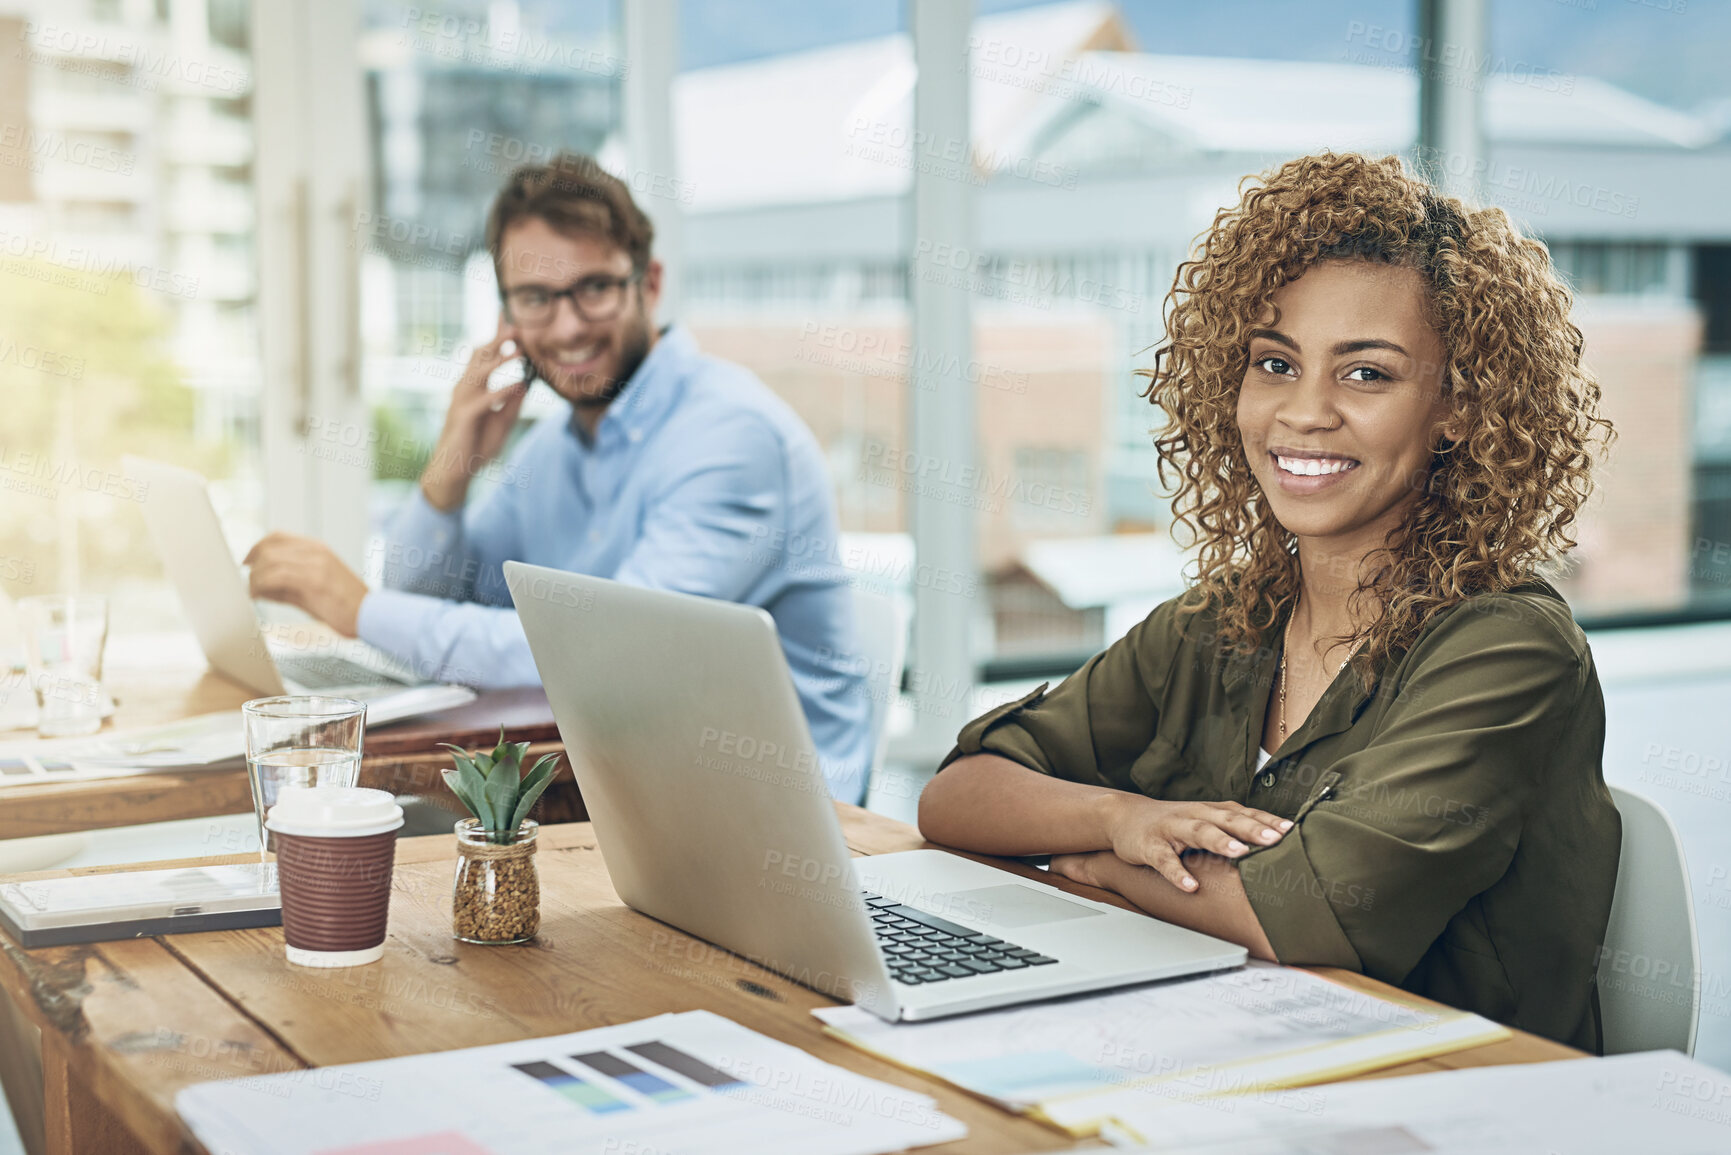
{"x": 576, "y": 358}
{"x": 1313, "y": 466}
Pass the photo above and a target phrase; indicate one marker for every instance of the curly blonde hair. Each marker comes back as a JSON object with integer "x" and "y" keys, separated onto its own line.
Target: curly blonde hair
{"x": 1494, "y": 506}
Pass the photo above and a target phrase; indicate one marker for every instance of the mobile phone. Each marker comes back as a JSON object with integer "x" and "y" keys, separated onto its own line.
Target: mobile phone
{"x": 501, "y": 378}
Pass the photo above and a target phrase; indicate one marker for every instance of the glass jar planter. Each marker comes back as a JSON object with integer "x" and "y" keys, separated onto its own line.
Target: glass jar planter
{"x": 496, "y": 896}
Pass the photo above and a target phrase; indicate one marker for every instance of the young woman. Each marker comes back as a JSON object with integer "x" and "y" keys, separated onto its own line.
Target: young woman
{"x": 1369, "y": 736}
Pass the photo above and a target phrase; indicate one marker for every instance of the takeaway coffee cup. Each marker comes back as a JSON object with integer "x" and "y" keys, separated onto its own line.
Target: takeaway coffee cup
{"x": 336, "y": 846}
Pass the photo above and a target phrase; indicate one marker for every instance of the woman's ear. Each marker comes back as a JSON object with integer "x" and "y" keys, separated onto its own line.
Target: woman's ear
{"x": 1449, "y": 433}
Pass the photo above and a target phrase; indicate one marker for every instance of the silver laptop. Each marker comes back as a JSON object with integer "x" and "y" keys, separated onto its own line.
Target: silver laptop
{"x": 681, "y": 722}
{"x": 214, "y": 595}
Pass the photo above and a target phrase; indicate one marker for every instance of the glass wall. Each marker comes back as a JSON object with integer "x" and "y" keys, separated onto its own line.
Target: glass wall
{"x": 127, "y": 282}
{"x": 1104, "y": 138}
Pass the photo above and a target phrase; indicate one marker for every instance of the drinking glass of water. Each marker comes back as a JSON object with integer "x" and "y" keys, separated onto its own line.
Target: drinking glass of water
{"x": 63, "y": 642}
{"x": 299, "y": 741}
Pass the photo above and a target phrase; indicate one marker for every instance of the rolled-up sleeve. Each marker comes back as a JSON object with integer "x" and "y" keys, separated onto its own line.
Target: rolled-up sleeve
{"x": 1098, "y": 721}
{"x": 995, "y": 732}
{"x": 1399, "y": 836}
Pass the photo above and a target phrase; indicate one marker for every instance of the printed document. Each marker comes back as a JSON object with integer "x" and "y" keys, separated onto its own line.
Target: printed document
{"x": 678, "y": 1084}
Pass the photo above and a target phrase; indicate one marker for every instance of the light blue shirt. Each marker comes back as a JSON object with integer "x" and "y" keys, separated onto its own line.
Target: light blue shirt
{"x": 699, "y": 480}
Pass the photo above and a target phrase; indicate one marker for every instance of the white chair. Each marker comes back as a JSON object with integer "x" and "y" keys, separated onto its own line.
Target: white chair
{"x": 1650, "y": 967}
{"x": 881, "y": 630}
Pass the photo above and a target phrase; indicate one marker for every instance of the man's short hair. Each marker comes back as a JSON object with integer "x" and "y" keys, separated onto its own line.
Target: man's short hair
{"x": 574, "y": 195}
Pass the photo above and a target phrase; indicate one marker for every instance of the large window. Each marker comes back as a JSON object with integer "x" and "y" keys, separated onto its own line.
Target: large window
{"x": 127, "y": 282}
{"x": 127, "y": 234}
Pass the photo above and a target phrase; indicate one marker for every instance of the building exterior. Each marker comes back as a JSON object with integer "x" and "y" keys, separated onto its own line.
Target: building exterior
{"x": 126, "y": 146}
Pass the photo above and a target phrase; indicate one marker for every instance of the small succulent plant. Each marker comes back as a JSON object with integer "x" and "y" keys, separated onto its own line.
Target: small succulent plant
{"x": 495, "y": 789}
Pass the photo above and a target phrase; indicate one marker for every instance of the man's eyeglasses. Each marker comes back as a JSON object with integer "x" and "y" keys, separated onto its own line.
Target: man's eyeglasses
{"x": 595, "y": 299}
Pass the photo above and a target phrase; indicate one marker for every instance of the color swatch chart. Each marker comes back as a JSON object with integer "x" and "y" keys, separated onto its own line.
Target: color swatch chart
{"x": 603, "y": 1070}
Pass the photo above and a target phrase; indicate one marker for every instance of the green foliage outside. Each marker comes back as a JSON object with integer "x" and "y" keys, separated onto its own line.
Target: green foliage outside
{"x": 404, "y": 455}
{"x": 85, "y": 377}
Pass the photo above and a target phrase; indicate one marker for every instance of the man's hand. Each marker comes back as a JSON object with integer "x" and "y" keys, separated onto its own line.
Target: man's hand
{"x": 305, "y": 572}
{"x": 1149, "y": 832}
{"x": 476, "y": 424}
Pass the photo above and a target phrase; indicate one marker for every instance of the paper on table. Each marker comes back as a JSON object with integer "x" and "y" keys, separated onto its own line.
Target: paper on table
{"x": 692, "y": 1082}
{"x": 1653, "y": 1102}
{"x": 202, "y": 741}
{"x": 193, "y": 741}
{"x": 1072, "y": 1059}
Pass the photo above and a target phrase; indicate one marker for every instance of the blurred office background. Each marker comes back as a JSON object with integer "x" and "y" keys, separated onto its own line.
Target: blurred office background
{"x": 248, "y": 237}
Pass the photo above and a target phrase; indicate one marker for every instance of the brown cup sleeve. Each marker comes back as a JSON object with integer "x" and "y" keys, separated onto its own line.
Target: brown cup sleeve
{"x": 336, "y": 892}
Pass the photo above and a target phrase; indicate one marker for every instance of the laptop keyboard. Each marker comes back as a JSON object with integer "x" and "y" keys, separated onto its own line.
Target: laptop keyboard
{"x": 327, "y": 672}
{"x": 923, "y": 948}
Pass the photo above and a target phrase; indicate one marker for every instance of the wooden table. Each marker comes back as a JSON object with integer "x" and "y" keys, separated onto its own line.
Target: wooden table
{"x": 403, "y": 757}
{"x": 125, "y": 1025}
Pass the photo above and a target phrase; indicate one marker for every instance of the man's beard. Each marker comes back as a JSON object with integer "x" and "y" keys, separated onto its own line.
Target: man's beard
{"x": 630, "y": 360}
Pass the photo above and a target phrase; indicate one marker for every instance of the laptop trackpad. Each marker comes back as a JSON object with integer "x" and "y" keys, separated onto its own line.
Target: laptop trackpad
{"x": 1013, "y": 905}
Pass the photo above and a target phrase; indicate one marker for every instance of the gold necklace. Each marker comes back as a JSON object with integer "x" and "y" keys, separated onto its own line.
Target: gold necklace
{"x": 1285, "y": 652}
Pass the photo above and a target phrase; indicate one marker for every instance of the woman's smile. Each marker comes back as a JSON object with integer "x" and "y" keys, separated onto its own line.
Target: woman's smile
{"x": 1305, "y": 471}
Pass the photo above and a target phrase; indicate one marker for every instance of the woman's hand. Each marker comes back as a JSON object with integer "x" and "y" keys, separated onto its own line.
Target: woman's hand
{"x": 1149, "y": 832}
{"x": 1078, "y": 867}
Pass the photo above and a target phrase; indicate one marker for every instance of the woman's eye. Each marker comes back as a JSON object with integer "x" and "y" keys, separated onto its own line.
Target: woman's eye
{"x": 1279, "y": 366}
{"x": 1375, "y": 374}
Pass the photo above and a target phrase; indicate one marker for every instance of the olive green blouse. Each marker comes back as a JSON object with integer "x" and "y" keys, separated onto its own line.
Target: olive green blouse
{"x": 1453, "y": 834}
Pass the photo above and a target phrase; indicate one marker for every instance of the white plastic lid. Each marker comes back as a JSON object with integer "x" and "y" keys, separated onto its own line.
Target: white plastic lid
{"x": 334, "y": 812}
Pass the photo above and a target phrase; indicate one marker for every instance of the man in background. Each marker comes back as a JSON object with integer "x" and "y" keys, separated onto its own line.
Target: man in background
{"x": 671, "y": 470}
